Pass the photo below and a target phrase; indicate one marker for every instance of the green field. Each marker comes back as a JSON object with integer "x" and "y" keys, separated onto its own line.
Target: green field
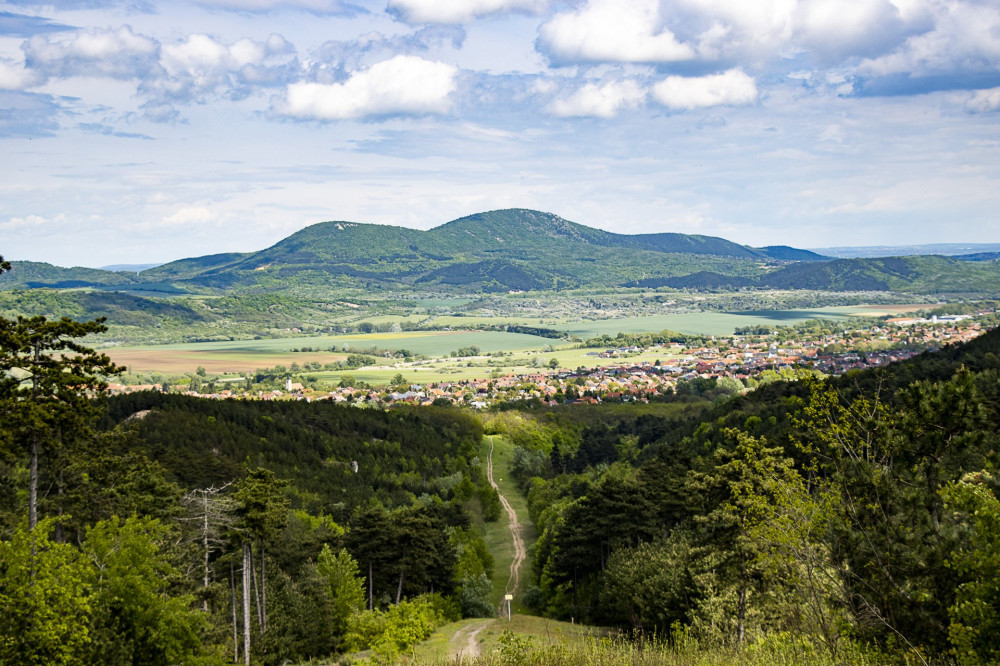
{"x": 529, "y": 352}
{"x": 704, "y": 323}
{"x": 243, "y": 355}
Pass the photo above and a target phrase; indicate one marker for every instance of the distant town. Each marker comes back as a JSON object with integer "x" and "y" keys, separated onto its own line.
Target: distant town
{"x": 730, "y": 364}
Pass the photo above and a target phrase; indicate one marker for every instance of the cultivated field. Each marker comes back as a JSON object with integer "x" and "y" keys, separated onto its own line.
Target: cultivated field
{"x": 525, "y": 353}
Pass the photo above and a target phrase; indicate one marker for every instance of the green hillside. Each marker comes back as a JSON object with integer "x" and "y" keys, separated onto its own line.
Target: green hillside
{"x": 516, "y": 250}
{"x": 35, "y": 274}
{"x": 919, "y": 274}
{"x": 187, "y": 268}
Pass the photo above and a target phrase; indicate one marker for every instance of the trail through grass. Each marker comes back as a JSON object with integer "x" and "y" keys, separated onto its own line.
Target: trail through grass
{"x": 498, "y": 534}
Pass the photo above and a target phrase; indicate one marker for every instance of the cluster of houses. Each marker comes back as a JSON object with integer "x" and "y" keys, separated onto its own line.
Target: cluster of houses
{"x": 745, "y": 359}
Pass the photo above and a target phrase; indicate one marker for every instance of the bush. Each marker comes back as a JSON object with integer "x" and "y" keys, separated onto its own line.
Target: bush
{"x": 475, "y": 597}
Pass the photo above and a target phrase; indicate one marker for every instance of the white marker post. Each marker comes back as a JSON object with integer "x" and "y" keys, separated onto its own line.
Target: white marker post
{"x": 508, "y": 598}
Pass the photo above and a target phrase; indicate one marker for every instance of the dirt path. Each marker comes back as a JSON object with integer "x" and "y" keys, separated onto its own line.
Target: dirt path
{"x": 515, "y": 529}
{"x": 465, "y": 642}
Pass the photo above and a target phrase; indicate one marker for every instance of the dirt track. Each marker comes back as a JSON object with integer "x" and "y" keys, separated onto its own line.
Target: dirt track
{"x": 465, "y": 643}
{"x": 515, "y": 529}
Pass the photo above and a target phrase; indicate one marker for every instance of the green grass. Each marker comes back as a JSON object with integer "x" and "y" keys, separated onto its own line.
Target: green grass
{"x": 704, "y": 323}
{"x": 530, "y": 649}
{"x": 497, "y": 534}
{"x": 541, "y": 632}
{"x": 430, "y": 343}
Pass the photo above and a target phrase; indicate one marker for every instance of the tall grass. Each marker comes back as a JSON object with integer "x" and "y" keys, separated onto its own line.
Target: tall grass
{"x": 773, "y": 650}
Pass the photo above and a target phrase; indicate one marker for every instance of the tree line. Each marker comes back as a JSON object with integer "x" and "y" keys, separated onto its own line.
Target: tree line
{"x": 858, "y": 511}
{"x": 160, "y": 529}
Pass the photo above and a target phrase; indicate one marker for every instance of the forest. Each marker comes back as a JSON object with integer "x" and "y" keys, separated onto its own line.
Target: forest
{"x": 856, "y": 515}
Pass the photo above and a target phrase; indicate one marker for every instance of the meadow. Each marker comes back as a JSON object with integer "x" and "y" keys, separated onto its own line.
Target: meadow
{"x": 244, "y": 355}
{"x": 525, "y": 353}
{"x": 707, "y": 323}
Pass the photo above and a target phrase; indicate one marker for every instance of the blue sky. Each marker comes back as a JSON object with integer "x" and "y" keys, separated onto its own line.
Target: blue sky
{"x": 141, "y": 131}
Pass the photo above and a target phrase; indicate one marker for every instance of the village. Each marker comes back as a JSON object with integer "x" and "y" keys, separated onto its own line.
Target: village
{"x": 729, "y": 365}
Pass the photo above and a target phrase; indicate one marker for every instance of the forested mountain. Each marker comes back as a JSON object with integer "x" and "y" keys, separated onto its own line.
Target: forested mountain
{"x": 517, "y": 249}
{"x": 915, "y": 275}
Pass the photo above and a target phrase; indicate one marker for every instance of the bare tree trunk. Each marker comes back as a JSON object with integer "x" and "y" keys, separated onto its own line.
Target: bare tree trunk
{"x": 370, "y": 585}
{"x": 204, "y": 543}
{"x": 256, "y": 591}
{"x": 232, "y": 602}
{"x": 246, "y": 603}
{"x": 33, "y": 453}
{"x": 263, "y": 591}
{"x": 399, "y": 590}
{"x": 33, "y": 483}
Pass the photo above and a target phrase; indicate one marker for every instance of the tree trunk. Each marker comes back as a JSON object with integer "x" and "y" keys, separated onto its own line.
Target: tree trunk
{"x": 263, "y": 592}
{"x": 399, "y": 590}
{"x": 370, "y": 584}
{"x": 33, "y": 453}
{"x": 246, "y": 603}
{"x": 232, "y": 603}
{"x": 204, "y": 543}
{"x": 33, "y": 483}
{"x": 256, "y": 591}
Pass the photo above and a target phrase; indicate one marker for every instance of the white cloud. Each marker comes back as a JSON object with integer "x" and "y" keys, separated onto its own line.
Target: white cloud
{"x": 603, "y": 101}
{"x": 735, "y": 28}
{"x": 201, "y": 56}
{"x": 733, "y": 87}
{"x": 113, "y": 53}
{"x": 983, "y": 101}
{"x": 611, "y": 31}
{"x": 404, "y": 84}
{"x": 16, "y": 77}
{"x": 199, "y": 66}
{"x": 964, "y": 37}
{"x": 193, "y": 215}
{"x": 458, "y": 11}
{"x": 32, "y": 223}
{"x": 839, "y": 28}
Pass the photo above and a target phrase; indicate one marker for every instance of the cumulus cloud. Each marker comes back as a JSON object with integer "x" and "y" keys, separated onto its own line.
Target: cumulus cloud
{"x": 199, "y": 67}
{"x": 457, "y": 11}
{"x": 333, "y": 60}
{"x": 13, "y": 76}
{"x": 602, "y": 101}
{"x": 726, "y": 29}
{"x": 112, "y": 53}
{"x": 983, "y": 101}
{"x": 400, "y": 85}
{"x": 732, "y": 88}
{"x": 964, "y": 39}
{"x": 836, "y": 29}
{"x": 611, "y": 31}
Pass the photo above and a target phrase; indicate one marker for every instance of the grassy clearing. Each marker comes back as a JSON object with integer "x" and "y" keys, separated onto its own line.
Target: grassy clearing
{"x": 443, "y": 646}
{"x": 497, "y": 534}
{"x": 444, "y": 643}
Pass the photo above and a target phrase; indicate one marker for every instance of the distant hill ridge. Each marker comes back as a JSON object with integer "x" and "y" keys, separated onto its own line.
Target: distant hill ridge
{"x": 515, "y": 250}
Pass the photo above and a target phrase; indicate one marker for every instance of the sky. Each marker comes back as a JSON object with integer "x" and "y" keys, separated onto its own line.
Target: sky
{"x": 139, "y": 131}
